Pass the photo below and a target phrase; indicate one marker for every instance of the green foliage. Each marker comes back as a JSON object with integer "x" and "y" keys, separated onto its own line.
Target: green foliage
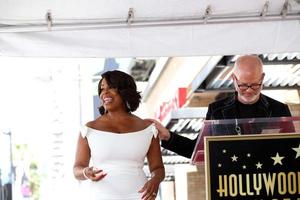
{"x": 34, "y": 181}
{"x": 22, "y": 152}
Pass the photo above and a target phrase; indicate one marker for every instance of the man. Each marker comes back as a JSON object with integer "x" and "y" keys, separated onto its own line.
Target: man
{"x": 246, "y": 102}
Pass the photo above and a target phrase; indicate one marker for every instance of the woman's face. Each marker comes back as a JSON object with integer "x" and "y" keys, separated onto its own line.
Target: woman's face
{"x": 110, "y": 97}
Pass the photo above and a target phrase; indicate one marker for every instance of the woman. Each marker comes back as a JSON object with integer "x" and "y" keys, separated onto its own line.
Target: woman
{"x": 117, "y": 143}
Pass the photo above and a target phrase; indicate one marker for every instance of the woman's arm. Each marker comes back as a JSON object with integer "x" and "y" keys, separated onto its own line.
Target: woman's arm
{"x": 156, "y": 168}
{"x": 81, "y": 168}
{"x": 82, "y": 159}
{"x": 155, "y": 162}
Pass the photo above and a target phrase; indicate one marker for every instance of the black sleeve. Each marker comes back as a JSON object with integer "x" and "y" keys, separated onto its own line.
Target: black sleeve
{"x": 208, "y": 114}
{"x": 287, "y": 112}
{"x": 181, "y": 145}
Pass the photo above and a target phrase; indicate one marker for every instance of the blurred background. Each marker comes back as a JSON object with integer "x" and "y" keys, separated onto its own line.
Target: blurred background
{"x": 45, "y": 101}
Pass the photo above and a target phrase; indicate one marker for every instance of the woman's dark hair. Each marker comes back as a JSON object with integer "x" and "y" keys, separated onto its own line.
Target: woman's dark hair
{"x": 125, "y": 86}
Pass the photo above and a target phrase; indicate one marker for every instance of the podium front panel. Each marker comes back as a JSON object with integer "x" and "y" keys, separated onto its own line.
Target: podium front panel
{"x": 250, "y": 167}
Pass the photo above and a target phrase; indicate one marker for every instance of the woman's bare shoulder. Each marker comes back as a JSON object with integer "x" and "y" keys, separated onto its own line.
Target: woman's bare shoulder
{"x": 147, "y": 122}
{"x": 144, "y": 122}
{"x": 97, "y": 123}
{"x": 90, "y": 124}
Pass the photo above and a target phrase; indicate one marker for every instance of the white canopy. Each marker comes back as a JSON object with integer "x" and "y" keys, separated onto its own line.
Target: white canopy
{"x": 135, "y": 28}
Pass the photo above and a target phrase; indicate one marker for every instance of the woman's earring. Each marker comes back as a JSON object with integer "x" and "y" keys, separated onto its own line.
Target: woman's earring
{"x": 128, "y": 105}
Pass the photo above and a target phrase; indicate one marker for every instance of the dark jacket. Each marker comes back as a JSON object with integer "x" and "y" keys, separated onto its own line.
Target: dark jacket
{"x": 225, "y": 109}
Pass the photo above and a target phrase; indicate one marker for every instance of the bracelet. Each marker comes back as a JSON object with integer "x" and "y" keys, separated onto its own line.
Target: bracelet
{"x": 84, "y": 174}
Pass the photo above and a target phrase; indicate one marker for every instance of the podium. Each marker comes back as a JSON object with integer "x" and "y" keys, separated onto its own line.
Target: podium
{"x": 250, "y": 158}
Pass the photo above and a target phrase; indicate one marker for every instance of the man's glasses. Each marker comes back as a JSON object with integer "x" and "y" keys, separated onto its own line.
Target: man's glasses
{"x": 243, "y": 87}
{"x": 254, "y": 86}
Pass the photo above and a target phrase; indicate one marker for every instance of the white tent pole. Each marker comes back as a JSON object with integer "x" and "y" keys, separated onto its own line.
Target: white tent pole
{"x": 141, "y": 23}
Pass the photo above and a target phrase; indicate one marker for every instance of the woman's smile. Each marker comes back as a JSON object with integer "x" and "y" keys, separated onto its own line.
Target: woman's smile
{"x": 107, "y": 100}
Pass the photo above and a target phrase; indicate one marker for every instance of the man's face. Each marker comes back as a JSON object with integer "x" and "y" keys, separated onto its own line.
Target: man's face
{"x": 248, "y": 86}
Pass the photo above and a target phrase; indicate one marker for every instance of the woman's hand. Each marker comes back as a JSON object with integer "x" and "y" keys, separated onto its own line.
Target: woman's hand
{"x": 149, "y": 190}
{"x": 93, "y": 174}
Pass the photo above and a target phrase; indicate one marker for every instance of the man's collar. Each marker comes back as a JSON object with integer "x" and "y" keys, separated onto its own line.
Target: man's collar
{"x": 262, "y": 101}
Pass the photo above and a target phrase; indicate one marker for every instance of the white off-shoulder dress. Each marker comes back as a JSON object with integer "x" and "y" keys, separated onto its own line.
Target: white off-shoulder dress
{"x": 122, "y": 157}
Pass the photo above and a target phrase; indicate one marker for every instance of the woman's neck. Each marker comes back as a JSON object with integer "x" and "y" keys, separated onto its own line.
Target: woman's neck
{"x": 117, "y": 114}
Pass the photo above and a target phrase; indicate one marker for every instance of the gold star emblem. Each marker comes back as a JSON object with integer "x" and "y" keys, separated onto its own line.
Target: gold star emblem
{"x": 277, "y": 159}
{"x": 258, "y": 165}
{"x": 297, "y": 150}
{"x": 234, "y": 158}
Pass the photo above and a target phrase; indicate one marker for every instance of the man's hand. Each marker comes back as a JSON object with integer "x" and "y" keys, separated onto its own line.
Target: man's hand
{"x": 163, "y": 133}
